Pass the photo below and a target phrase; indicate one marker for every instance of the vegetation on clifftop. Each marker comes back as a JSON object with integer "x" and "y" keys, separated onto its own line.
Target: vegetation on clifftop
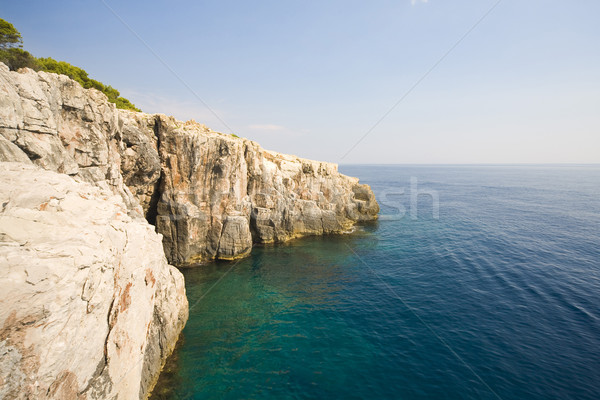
{"x": 13, "y": 55}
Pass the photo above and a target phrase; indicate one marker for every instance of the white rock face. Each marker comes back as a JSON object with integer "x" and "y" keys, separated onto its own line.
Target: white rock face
{"x": 52, "y": 121}
{"x": 89, "y": 307}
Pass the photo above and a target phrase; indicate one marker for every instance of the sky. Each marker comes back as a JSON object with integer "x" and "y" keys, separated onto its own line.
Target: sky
{"x": 352, "y": 82}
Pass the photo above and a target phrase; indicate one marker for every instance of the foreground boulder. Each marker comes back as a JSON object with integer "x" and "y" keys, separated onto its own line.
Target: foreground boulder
{"x": 89, "y": 307}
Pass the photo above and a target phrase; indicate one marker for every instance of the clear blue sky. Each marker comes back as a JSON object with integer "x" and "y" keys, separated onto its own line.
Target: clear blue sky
{"x": 312, "y": 77}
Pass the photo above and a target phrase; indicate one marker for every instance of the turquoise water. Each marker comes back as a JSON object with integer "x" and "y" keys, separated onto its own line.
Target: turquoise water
{"x": 499, "y": 297}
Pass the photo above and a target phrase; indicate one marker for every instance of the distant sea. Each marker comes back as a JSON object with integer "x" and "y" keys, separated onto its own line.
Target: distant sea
{"x": 478, "y": 282}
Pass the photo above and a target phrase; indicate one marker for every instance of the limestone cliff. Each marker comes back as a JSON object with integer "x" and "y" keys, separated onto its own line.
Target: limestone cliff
{"x": 89, "y": 307}
{"x": 219, "y": 194}
{"x": 209, "y": 194}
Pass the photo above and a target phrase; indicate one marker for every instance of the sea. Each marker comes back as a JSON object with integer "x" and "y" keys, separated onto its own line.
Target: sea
{"x": 477, "y": 282}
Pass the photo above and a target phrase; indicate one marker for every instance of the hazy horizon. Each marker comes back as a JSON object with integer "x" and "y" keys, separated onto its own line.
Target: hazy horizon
{"x": 427, "y": 82}
{"x": 474, "y": 164}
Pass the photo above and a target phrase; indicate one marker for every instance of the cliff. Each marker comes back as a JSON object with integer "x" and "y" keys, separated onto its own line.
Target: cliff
{"x": 89, "y": 307}
{"x": 209, "y": 194}
{"x": 219, "y": 194}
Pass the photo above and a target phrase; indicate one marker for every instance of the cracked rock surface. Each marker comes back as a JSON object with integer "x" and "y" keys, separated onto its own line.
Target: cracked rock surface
{"x": 89, "y": 307}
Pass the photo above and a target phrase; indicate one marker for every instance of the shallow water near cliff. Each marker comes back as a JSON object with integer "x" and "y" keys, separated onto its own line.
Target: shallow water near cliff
{"x": 499, "y": 297}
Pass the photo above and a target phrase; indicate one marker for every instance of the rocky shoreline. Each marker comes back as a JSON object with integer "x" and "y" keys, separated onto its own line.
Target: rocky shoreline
{"x": 96, "y": 203}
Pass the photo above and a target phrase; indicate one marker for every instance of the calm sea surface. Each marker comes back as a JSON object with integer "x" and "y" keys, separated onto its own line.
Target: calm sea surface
{"x": 498, "y": 296}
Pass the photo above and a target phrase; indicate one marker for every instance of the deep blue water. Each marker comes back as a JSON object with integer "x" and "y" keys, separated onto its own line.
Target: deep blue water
{"x": 497, "y": 297}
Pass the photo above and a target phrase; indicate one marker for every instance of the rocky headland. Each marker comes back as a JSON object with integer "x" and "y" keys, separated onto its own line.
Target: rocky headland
{"x": 96, "y": 202}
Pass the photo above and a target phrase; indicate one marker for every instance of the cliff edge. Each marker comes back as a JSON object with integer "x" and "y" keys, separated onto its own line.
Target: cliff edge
{"x": 210, "y": 195}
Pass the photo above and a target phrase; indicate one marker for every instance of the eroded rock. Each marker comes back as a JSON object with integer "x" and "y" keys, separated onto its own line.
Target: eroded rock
{"x": 89, "y": 307}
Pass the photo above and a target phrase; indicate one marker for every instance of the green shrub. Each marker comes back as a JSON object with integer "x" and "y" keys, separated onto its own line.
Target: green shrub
{"x": 16, "y": 58}
{"x": 125, "y": 104}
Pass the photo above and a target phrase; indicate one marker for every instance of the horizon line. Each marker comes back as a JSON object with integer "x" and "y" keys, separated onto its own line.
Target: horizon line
{"x": 480, "y": 164}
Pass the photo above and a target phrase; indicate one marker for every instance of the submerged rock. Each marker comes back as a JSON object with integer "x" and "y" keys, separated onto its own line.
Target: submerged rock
{"x": 89, "y": 307}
